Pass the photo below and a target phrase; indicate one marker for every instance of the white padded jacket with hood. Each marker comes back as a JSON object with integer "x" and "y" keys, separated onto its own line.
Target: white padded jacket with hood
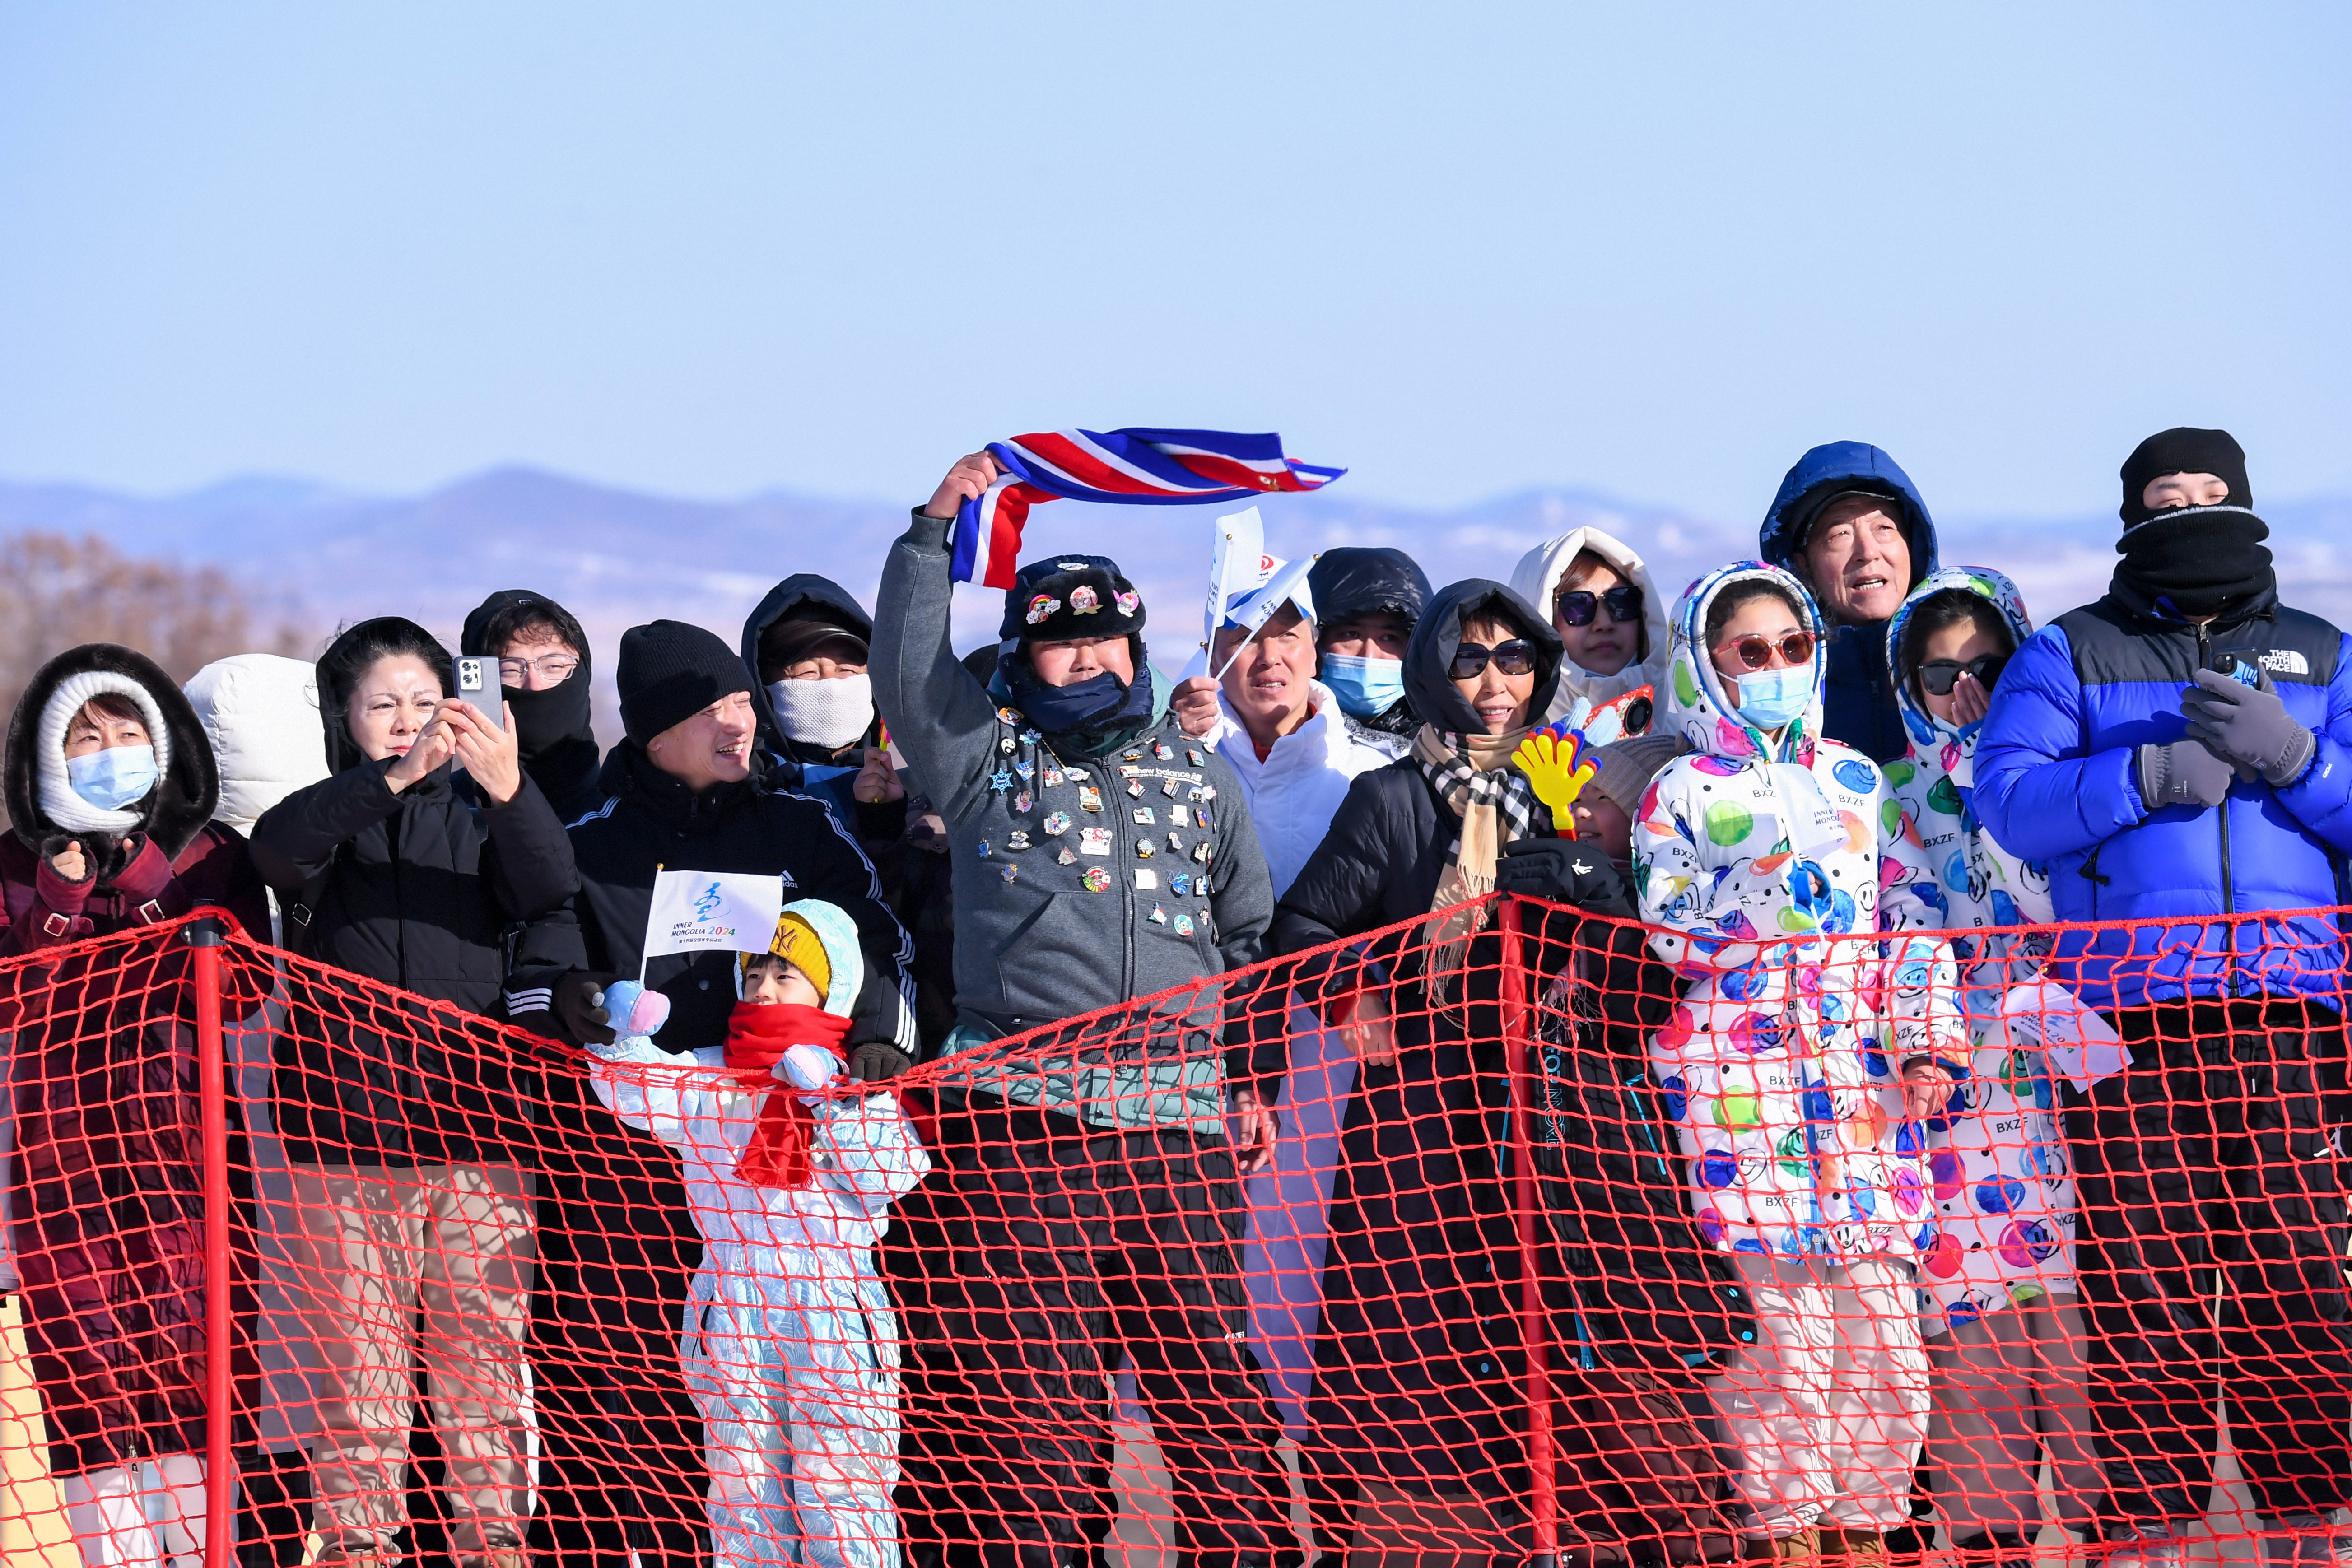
{"x": 1537, "y": 577}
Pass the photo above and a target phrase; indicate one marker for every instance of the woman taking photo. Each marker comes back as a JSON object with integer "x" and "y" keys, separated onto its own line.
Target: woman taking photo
{"x": 110, "y": 790}
{"x": 1419, "y": 1372}
{"x": 406, "y": 1193}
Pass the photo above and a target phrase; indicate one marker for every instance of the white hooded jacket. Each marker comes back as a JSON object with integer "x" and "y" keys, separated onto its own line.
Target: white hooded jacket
{"x": 1293, "y": 793}
{"x": 1536, "y": 578}
{"x": 864, "y": 1150}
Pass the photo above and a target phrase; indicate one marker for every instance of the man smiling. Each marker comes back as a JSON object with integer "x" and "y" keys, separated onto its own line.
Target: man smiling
{"x": 1849, "y": 523}
{"x": 686, "y": 789}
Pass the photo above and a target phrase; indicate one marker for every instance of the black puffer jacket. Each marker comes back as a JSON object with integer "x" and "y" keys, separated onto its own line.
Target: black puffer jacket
{"x": 650, "y": 821}
{"x": 415, "y": 889}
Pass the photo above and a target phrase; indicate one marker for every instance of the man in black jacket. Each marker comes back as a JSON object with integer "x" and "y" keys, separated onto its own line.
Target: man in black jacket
{"x": 685, "y": 790}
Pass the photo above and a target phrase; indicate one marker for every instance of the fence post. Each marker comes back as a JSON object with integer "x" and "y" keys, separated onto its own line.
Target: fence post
{"x": 1518, "y": 1049}
{"x": 204, "y": 937}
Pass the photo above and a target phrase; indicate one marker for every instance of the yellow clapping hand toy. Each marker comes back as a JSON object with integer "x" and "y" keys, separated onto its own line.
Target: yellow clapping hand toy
{"x": 1556, "y": 762}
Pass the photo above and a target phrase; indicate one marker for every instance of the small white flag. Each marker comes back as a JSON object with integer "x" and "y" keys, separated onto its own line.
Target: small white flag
{"x": 2081, "y": 1046}
{"x": 702, "y": 912}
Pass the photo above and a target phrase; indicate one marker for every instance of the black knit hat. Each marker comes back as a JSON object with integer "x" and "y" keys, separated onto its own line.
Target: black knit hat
{"x": 2183, "y": 449}
{"x": 669, "y": 672}
{"x": 1071, "y": 596}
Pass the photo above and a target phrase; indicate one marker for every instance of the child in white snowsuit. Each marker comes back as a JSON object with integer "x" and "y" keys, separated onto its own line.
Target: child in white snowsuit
{"x": 2003, "y": 1325}
{"x": 789, "y": 1350}
{"x": 1796, "y": 1068}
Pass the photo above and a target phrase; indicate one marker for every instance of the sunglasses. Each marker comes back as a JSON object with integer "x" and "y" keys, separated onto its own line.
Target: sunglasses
{"x": 1938, "y": 674}
{"x": 1755, "y": 651}
{"x": 1576, "y": 606}
{"x": 1516, "y": 657}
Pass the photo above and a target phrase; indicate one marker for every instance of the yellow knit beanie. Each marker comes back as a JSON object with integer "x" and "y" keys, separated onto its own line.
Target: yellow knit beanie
{"x": 797, "y": 943}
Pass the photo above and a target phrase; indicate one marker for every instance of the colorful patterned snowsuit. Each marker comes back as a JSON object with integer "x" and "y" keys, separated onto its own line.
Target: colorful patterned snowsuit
{"x": 1781, "y": 1071}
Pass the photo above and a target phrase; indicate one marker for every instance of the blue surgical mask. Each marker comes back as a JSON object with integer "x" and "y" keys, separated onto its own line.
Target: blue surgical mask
{"x": 1366, "y": 688}
{"x": 1770, "y": 699}
{"x": 113, "y": 778}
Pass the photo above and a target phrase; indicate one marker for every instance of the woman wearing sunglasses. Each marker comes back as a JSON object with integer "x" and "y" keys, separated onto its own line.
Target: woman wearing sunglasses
{"x": 1803, "y": 1059}
{"x": 1416, "y": 1381}
{"x": 2004, "y": 1328}
{"x": 1612, "y": 623}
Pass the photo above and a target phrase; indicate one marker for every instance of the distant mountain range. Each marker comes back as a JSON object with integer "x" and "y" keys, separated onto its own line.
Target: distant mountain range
{"x": 618, "y": 557}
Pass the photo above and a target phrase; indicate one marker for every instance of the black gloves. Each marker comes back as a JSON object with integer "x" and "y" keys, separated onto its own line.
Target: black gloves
{"x": 1561, "y": 871}
{"x": 580, "y": 1007}
{"x": 2249, "y": 725}
{"x": 877, "y": 1061}
{"x": 2185, "y": 772}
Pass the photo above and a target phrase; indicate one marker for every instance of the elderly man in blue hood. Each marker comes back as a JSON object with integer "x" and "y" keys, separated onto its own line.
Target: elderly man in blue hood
{"x": 1850, "y": 524}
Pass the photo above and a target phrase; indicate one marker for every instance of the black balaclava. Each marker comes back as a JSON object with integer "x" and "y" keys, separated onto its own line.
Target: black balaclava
{"x": 2194, "y": 561}
{"x": 556, "y": 737}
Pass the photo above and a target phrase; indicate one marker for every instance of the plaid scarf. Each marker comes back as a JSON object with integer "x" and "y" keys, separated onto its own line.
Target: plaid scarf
{"x": 1495, "y": 806}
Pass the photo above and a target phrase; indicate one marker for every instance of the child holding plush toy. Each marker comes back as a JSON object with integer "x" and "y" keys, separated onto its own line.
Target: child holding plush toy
{"x": 789, "y": 1350}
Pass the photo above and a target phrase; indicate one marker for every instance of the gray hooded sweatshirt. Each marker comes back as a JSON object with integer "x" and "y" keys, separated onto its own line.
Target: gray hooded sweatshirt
{"x": 1081, "y": 883}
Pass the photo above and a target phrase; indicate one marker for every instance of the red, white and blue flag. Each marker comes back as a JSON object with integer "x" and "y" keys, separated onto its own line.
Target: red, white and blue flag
{"x": 1135, "y": 468}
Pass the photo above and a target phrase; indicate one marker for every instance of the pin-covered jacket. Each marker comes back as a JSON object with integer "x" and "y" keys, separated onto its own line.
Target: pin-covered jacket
{"x": 1081, "y": 882}
{"x": 1781, "y": 1067}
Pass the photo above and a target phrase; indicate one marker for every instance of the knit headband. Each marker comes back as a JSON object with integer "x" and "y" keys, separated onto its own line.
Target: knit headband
{"x": 63, "y": 807}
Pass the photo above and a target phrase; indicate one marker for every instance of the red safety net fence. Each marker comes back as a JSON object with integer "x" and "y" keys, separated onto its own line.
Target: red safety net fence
{"x": 1556, "y": 1253}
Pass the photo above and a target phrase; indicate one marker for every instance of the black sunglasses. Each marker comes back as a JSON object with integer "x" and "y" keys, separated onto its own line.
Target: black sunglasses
{"x": 1937, "y": 675}
{"x": 1516, "y": 657}
{"x": 1576, "y": 605}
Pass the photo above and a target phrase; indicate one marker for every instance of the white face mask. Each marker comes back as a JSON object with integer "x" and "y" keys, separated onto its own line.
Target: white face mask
{"x": 826, "y": 713}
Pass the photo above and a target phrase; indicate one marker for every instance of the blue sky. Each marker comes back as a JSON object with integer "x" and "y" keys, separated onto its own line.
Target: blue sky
{"x": 707, "y": 247}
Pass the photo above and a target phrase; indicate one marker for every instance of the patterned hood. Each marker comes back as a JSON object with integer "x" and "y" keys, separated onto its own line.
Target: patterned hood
{"x": 1955, "y": 746}
{"x": 1968, "y": 880}
{"x": 1694, "y": 704}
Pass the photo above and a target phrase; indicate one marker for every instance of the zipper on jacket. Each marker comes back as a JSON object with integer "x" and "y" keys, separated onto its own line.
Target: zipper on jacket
{"x": 399, "y": 903}
{"x": 2228, "y": 884}
{"x": 1122, "y": 847}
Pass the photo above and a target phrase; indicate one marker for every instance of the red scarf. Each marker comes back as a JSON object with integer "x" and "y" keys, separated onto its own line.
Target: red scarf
{"x": 758, "y": 1035}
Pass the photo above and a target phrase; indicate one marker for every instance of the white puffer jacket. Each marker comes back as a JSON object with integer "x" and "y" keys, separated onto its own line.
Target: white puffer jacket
{"x": 1293, "y": 793}
{"x": 261, "y": 712}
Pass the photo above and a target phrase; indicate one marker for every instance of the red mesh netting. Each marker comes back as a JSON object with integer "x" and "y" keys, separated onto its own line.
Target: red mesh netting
{"x": 1543, "y": 1260}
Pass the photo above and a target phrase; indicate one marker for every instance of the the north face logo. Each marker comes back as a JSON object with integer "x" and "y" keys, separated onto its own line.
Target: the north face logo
{"x": 2285, "y": 661}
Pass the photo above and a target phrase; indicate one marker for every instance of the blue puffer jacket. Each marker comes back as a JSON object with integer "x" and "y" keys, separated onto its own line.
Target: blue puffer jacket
{"x": 2056, "y": 781}
{"x": 1857, "y": 697}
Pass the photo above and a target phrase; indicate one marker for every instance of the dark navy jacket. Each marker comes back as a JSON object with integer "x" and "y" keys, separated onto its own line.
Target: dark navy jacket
{"x": 1857, "y": 694}
{"x": 807, "y": 769}
{"x": 2056, "y": 781}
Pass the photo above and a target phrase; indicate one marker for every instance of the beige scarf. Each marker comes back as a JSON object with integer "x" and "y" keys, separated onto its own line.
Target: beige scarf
{"x": 1471, "y": 774}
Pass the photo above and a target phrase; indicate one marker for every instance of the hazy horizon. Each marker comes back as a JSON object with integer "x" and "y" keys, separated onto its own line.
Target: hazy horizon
{"x": 1655, "y": 254}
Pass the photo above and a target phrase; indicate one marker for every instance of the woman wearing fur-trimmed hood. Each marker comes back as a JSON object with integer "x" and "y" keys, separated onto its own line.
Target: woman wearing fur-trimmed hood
{"x": 110, "y": 790}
